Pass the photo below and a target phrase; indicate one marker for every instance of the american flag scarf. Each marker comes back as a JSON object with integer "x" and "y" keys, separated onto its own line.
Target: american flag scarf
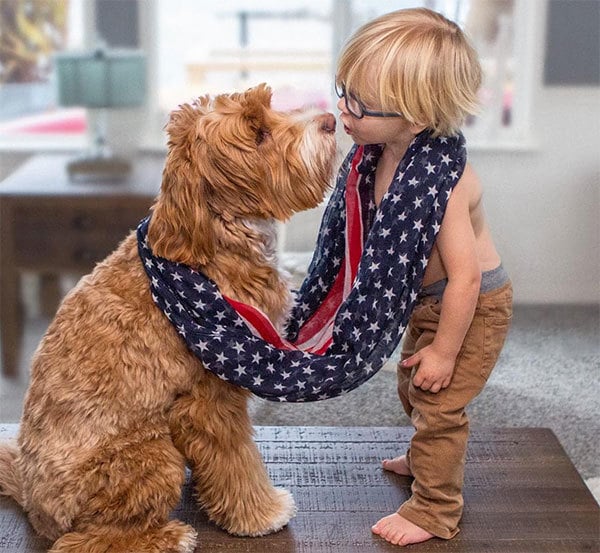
{"x": 356, "y": 300}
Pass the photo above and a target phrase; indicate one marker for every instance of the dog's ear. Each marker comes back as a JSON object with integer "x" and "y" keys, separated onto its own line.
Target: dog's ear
{"x": 180, "y": 228}
{"x": 255, "y": 101}
{"x": 261, "y": 94}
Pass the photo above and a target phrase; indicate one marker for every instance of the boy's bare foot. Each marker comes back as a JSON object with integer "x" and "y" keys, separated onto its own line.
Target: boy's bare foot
{"x": 397, "y": 465}
{"x": 399, "y": 531}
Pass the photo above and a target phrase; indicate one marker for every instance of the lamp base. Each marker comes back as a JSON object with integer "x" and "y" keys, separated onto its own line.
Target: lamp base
{"x": 100, "y": 168}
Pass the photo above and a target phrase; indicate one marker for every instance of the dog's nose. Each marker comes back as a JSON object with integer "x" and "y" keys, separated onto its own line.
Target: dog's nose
{"x": 327, "y": 122}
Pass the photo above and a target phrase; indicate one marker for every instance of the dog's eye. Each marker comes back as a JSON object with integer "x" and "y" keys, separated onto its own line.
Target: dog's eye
{"x": 262, "y": 135}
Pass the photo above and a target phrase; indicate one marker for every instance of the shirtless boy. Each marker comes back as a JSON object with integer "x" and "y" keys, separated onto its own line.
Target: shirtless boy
{"x": 401, "y": 74}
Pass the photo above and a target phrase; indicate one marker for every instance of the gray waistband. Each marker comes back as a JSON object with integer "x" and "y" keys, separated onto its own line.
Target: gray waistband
{"x": 490, "y": 280}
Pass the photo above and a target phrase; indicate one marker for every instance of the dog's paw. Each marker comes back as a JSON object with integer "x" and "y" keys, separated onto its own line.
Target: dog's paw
{"x": 287, "y": 512}
{"x": 174, "y": 537}
{"x": 283, "y": 509}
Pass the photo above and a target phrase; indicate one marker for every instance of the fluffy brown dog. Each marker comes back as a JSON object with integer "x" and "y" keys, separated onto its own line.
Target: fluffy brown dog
{"x": 117, "y": 405}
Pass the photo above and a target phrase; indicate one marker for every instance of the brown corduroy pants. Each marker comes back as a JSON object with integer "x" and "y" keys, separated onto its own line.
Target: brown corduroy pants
{"x": 436, "y": 456}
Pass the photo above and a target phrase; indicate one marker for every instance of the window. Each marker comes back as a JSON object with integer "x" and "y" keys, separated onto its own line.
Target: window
{"x": 198, "y": 46}
{"x": 205, "y": 47}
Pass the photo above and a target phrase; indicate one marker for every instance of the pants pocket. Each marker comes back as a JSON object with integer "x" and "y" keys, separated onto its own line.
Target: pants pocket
{"x": 495, "y": 330}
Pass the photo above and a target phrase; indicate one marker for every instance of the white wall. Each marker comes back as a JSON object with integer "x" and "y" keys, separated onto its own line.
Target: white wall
{"x": 543, "y": 204}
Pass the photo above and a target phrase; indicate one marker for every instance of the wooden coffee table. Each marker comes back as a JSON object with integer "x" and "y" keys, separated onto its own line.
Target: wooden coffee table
{"x": 51, "y": 225}
{"x": 522, "y": 495}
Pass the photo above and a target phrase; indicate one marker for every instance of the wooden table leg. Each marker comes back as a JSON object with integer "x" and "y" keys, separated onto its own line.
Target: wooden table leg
{"x": 10, "y": 298}
{"x": 50, "y": 294}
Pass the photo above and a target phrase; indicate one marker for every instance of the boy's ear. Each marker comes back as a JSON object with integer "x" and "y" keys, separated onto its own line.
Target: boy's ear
{"x": 416, "y": 128}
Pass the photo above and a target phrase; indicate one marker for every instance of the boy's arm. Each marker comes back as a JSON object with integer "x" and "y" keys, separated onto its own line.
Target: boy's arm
{"x": 457, "y": 248}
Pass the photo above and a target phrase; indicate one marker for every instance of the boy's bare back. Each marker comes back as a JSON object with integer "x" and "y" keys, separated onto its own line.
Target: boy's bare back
{"x": 470, "y": 193}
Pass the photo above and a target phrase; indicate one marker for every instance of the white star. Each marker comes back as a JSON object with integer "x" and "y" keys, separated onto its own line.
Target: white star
{"x": 240, "y": 370}
{"x": 238, "y": 347}
{"x": 220, "y": 316}
{"x": 202, "y": 346}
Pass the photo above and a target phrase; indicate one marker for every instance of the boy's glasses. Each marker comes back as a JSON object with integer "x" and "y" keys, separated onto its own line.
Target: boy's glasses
{"x": 356, "y": 108}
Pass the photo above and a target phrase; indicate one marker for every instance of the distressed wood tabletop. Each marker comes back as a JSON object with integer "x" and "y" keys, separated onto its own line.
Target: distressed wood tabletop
{"x": 522, "y": 495}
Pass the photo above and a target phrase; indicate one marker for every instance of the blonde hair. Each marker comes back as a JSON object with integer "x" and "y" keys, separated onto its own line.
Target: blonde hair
{"x": 415, "y": 62}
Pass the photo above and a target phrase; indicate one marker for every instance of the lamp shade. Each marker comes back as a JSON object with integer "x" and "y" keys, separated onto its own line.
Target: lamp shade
{"x": 101, "y": 79}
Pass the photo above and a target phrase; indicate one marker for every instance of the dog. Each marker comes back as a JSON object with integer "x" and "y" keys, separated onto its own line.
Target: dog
{"x": 117, "y": 405}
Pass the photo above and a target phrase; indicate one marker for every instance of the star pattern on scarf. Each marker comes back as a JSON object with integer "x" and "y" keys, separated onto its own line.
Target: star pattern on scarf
{"x": 368, "y": 325}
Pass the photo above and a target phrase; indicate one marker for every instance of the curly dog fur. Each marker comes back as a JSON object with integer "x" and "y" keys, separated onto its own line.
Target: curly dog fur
{"x": 117, "y": 405}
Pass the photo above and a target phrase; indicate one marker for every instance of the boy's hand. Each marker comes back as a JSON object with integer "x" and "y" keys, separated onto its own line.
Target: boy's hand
{"x": 435, "y": 370}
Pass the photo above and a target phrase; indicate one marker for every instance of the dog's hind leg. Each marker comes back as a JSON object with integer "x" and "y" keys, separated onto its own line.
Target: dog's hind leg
{"x": 174, "y": 537}
{"x": 212, "y": 428}
{"x": 127, "y": 494}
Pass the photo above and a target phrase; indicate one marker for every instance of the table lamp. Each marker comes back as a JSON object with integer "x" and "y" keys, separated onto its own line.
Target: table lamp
{"x": 103, "y": 79}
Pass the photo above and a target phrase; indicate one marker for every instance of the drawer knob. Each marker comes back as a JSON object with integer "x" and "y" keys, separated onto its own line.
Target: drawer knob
{"x": 82, "y": 222}
{"x": 84, "y": 256}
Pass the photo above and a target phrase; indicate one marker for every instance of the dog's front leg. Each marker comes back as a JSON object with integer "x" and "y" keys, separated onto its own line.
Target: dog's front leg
{"x": 212, "y": 428}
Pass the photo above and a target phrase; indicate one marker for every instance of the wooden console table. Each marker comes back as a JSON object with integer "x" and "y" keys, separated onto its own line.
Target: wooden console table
{"x": 522, "y": 495}
{"x": 51, "y": 225}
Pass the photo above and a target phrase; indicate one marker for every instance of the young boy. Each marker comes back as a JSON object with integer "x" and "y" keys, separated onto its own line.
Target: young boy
{"x": 401, "y": 74}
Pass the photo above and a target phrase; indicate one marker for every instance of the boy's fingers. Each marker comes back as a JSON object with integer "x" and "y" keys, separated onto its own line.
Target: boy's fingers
{"x": 411, "y": 361}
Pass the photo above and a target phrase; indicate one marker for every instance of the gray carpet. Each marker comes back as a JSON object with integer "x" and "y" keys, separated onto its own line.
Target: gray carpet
{"x": 547, "y": 376}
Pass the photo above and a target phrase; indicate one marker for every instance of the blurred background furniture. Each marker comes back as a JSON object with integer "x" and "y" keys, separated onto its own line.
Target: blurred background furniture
{"x": 53, "y": 226}
{"x": 101, "y": 80}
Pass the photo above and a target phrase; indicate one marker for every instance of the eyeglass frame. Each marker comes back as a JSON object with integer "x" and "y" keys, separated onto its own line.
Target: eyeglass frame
{"x": 343, "y": 93}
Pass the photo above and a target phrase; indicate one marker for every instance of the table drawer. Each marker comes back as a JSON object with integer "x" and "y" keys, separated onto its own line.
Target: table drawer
{"x": 76, "y": 237}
